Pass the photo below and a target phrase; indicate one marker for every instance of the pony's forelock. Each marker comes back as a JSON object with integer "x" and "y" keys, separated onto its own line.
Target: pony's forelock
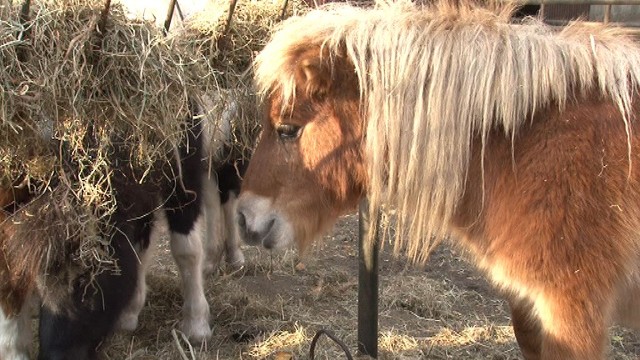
{"x": 432, "y": 78}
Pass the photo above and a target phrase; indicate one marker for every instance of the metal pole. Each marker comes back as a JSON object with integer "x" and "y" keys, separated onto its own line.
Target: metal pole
{"x": 368, "y": 283}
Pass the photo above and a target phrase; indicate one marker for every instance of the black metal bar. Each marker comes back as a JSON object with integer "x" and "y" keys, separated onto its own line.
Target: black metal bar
{"x": 104, "y": 14}
{"x": 24, "y": 12}
{"x": 167, "y": 20}
{"x": 180, "y": 14}
{"x": 98, "y": 34}
{"x": 368, "y": 283}
{"x": 330, "y": 335}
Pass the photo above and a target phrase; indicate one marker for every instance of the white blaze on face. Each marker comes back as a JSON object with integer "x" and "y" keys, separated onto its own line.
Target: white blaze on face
{"x": 262, "y": 224}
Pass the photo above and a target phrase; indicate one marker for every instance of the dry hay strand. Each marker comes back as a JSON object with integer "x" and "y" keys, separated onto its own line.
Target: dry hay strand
{"x": 126, "y": 82}
{"x": 229, "y": 50}
{"x": 394, "y": 342}
{"x": 423, "y": 298}
{"x": 279, "y": 341}
{"x": 232, "y": 52}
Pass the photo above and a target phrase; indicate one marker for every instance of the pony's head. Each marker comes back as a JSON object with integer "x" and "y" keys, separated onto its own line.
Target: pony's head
{"x": 308, "y": 167}
{"x": 391, "y": 100}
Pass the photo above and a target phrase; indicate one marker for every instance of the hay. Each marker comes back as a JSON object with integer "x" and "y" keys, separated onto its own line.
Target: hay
{"x": 229, "y": 56}
{"x": 251, "y": 26}
{"x": 72, "y": 98}
{"x": 134, "y": 88}
{"x": 78, "y": 105}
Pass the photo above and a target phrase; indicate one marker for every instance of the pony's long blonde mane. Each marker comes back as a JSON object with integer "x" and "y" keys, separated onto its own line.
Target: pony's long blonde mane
{"x": 432, "y": 78}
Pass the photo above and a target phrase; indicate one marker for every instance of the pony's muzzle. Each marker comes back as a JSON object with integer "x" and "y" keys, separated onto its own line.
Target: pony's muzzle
{"x": 260, "y": 223}
{"x": 255, "y": 233}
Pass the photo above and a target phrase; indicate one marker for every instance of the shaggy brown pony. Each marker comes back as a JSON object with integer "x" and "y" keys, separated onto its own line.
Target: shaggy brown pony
{"x": 518, "y": 141}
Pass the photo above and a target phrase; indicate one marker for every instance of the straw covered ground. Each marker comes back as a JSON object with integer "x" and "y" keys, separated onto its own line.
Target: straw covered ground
{"x": 273, "y": 308}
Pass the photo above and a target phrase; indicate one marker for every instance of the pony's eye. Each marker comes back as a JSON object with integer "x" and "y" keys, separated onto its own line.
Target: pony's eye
{"x": 288, "y": 131}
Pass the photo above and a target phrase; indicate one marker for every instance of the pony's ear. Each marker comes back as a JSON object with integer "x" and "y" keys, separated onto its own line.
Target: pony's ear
{"x": 314, "y": 75}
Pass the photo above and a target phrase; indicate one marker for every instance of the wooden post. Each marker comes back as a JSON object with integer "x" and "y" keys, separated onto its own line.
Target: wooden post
{"x": 24, "y": 34}
{"x": 232, "y": 9}
{"x": 284, "y": 9}
{"x": 104, "y": 14}
{"x": 368, "y": 283}
{"x": 167, "y": 20}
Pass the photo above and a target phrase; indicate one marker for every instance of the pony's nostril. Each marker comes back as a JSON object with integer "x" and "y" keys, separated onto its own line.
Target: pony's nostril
{"x": 242, "y": 221}
{"x": 270, "y": 225}
{"x": 268, "y": 239}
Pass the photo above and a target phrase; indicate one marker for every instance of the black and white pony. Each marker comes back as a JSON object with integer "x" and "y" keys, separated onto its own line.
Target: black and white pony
{"x": 198, "y": 206}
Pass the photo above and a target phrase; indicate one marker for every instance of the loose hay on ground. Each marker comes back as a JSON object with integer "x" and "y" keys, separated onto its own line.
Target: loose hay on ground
{"x": 272, "y": 301}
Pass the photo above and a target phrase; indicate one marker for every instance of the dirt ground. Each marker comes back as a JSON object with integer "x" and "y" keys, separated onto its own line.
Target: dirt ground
{"x": 273, "y": 307}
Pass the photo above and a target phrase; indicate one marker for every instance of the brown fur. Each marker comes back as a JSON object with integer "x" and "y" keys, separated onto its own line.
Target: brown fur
{"x": 332, "y": 163}
{"x": 15, "y": 287}
{"x": 550, "y": 209}
{"x": 561, "y": 232}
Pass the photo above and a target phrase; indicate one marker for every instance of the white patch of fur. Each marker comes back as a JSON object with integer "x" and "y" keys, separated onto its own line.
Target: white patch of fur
{"x": 259, "y": 214}
{"x": 15, "y": 334}
{"x": 188, "y": 252}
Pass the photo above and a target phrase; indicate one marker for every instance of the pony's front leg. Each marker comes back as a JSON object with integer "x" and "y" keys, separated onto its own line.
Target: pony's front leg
{"x": 128, "y": 320}
{"x": 15, "y": 334}
{"x": 574, "y": 327}
{"x": 213, "y": 243}
{"x": 187, "y": 248}
{"x": 232, "y": 241}
{"x": 526, "y": 328}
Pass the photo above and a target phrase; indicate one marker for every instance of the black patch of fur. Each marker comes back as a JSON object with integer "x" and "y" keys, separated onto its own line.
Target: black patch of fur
{"x": 230, "y": 178}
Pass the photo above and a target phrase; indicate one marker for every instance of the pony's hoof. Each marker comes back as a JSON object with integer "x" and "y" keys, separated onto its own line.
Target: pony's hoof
{"x": 17, "y": 356}
{"x": 127, "y": 322}
{"x": 236, "y": 261}
{"x": 196, "y": 330}
{"x": 209, "y": 269}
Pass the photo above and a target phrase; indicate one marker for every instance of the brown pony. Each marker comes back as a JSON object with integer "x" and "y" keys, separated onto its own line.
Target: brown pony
{"x": 518, "y": 141}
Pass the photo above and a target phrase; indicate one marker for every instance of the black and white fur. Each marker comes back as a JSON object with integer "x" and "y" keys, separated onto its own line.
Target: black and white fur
{"x": 200, "y": 231}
